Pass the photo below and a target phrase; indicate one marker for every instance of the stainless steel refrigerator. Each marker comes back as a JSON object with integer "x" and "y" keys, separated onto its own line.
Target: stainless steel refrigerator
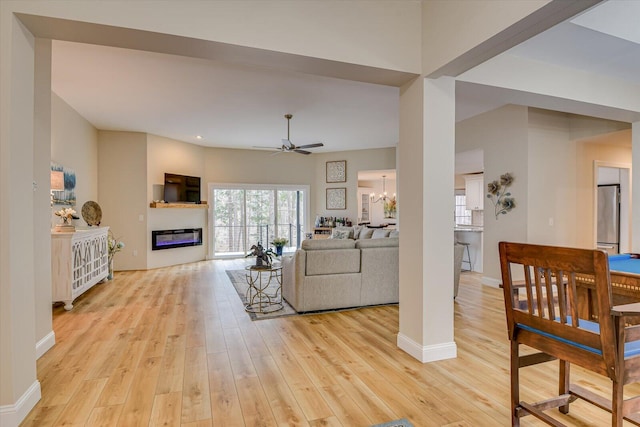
{"x": 609, "y": 218}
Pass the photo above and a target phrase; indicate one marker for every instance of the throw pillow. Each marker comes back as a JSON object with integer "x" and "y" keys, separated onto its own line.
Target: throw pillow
{"x": 366, "y": 233}
{"x": 347, "y": 229}
{"x": 394, "y": 233}
{"x": 339, "y": 234}
{"x": 380, "y": 233}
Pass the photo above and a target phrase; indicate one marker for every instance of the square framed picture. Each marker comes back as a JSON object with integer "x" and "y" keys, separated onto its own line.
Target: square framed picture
{"x": 337, "y": 171}
{"x": 336, "y": 198}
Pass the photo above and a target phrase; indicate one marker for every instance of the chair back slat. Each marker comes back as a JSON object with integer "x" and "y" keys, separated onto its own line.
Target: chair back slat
{"x": 549, "y": 293}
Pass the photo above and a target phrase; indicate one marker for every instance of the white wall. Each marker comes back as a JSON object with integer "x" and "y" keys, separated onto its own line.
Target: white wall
{"x": 122, "y": 189}
{"x": 74, "y": 145}
{"x": 552, "y": 179}
{"x": 503, "y": 135}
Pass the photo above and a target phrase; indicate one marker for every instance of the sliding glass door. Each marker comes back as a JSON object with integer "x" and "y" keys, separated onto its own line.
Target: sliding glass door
{"x": 243, "y": 215}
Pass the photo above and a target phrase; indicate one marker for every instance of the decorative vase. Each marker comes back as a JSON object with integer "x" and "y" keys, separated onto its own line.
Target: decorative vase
{"x": 110, "y": 276}
{"x": 279, "y": 250}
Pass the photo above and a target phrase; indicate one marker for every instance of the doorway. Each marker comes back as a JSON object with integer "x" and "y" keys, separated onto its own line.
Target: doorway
{"x": 612, "y": 207}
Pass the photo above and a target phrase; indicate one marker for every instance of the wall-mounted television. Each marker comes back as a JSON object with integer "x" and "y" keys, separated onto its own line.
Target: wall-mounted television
{"x": 181, "y": 188}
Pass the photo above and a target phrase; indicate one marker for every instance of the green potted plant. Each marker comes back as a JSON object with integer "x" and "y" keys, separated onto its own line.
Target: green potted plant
{"x": 279, "y": 243}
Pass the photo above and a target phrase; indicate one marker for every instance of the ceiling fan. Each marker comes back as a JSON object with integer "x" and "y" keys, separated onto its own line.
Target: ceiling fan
{"x": 290, "y": 147}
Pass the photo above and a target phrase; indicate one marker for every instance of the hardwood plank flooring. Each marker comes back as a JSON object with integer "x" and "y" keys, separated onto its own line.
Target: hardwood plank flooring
{"x": 174, "y": 347}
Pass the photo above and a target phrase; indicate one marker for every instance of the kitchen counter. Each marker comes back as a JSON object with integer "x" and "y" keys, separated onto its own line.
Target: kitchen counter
{"x": 471, "y": 234}
{"x": 472, "y": 228}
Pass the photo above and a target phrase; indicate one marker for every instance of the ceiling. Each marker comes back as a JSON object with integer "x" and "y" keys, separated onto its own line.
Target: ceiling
{"x": 237, "y": 106}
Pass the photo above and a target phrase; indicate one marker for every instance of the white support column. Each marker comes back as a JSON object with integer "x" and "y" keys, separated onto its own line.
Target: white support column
{"x": 19, "y": 386}
{"x": 426, "y": 160}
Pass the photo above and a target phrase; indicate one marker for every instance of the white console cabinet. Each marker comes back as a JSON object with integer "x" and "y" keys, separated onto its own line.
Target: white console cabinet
{"x": 79, "y": 260}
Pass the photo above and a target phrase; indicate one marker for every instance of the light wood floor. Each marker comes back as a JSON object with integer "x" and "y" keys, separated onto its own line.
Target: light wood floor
{"x": 174, "y": 347}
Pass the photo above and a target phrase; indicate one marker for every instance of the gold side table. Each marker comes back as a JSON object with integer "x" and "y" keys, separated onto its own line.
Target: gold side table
{"x": 264, "y": 294}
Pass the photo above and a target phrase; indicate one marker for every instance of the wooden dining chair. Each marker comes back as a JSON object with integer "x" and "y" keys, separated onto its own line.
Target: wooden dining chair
{"x": 545, "y": 318}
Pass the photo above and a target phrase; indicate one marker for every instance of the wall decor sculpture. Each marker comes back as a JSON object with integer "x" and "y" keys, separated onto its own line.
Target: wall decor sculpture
{"x": 337, "y": 171}
{"x": 336, "y": 198}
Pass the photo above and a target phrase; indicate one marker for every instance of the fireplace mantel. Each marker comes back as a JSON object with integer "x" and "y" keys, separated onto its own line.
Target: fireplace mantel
{"x": 160, "y": 205}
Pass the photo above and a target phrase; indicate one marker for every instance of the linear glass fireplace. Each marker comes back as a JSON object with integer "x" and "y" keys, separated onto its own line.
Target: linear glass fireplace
{"x": 168, "y": 239}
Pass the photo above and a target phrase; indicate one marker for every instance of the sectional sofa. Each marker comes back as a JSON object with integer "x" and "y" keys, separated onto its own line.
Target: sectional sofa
{"x": 346, "y": 272}
{"x": 341, "y": 273}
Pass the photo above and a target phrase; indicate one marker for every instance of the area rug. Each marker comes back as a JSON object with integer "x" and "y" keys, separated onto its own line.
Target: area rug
{"x": 397, "y": 423}
{"x": 239, "y": 280}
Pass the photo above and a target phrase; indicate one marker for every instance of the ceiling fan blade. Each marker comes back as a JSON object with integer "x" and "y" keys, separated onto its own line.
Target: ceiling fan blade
{"x": 317, "y": 144}
{"x": 302, "y": 151}
{"x": 262, "y": 147}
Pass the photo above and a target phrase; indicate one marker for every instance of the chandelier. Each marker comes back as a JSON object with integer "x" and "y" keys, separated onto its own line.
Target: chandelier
{"x": 383, "y": 197}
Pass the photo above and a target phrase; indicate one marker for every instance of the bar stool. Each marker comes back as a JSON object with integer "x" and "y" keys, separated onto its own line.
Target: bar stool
{"x": 468, "y": 254}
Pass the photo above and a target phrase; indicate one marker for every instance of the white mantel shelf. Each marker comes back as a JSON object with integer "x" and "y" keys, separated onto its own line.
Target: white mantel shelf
{"x": 156, "y": 205}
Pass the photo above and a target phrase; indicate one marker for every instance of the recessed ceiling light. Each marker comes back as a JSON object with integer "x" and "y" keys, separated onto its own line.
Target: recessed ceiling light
{"x": 198, "y": 136}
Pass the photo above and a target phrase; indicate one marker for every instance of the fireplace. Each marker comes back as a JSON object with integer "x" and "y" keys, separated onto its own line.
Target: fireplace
{"x": 169, "y": 239}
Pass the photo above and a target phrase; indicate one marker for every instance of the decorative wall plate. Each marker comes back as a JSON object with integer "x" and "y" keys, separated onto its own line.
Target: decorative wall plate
{"x": 92, "y": 213}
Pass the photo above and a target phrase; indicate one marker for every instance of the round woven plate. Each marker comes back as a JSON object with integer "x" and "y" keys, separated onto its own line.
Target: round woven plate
{"x": 92, "y": 213}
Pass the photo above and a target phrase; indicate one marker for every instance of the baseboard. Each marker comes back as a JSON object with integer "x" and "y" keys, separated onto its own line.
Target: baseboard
{"x": 428, "y": 353}
{"x": 490, "y": 281}
{"x": 12, "y": 415}
{"x": 45, "y": 344}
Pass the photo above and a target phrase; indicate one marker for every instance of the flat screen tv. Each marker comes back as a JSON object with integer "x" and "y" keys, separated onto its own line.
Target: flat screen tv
{"x": 181, "y": 188}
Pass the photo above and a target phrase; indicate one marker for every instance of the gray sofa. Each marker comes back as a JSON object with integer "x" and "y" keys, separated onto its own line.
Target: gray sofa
{"x": 341, "y": 273}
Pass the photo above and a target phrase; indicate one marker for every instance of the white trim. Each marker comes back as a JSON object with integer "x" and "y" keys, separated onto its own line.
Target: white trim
{"x": 428, "y": 353}
{"x": 12, "y": 415}
{"x": 490, "y": 281}
{"x": 45, "y": 344}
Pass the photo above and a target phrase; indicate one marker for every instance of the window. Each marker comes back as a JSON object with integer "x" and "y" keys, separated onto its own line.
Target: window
{"x": 462, "y": 214}
{"x": 243, "y": 215}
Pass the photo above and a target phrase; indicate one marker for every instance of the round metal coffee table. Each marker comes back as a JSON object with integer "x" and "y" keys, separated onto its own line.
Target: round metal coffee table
{"x": 265, "y": 289}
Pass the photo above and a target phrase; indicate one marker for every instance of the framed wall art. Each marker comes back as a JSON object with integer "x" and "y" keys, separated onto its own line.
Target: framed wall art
{"x": 67, "y": 194}
{"x": 337, "y": 171}
{"x": 336, "y": 198}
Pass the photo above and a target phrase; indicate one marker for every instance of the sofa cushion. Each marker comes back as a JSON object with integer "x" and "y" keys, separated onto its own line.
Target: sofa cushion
{"x": 380, "y": 233}
{"x": 366, "y": 233}
{"x": 327, "y": 244}
{"x": 333, "y": 262}
{"x": 377, "y": 243}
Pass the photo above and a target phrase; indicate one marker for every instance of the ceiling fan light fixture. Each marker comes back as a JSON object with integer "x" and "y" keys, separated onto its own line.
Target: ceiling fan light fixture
{"x": 289, "y": 147}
